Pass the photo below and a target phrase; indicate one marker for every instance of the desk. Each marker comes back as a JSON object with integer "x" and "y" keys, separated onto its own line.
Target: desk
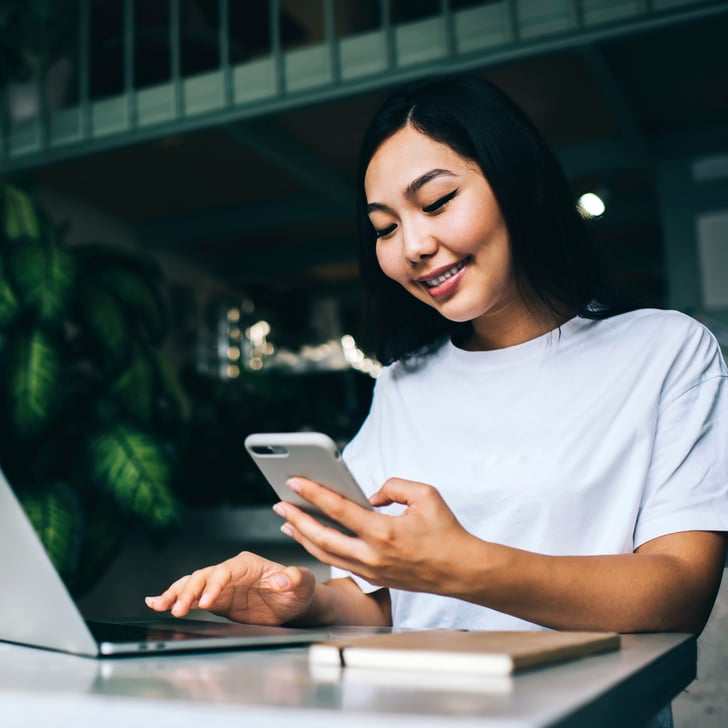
{"x": 277, "y": 687}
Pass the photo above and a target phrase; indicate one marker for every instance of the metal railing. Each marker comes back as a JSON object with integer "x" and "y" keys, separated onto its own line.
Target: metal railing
{"x": 460, "y": 36}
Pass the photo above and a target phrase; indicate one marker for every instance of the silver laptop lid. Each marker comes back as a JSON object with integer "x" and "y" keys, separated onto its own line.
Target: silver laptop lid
{"x": 35, "y": 606}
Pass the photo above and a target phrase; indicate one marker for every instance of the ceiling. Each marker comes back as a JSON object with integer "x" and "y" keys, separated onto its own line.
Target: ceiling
{"x": 229, "y": 199}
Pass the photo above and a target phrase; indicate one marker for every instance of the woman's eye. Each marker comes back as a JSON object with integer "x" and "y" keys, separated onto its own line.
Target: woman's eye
{"x": 435, "y": 206}
{"x": 385, "y": 231}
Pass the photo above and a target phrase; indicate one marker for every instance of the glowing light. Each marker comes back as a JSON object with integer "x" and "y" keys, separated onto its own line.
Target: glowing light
{"x": 591, "y": 205}
{"x": 257, "y": 333}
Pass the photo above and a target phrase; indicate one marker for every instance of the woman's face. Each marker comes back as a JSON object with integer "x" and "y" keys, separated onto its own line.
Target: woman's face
{"x": 440, "y": 233}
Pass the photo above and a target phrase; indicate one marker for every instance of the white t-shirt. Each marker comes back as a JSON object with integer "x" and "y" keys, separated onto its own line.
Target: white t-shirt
{"x": 593, "y": 440}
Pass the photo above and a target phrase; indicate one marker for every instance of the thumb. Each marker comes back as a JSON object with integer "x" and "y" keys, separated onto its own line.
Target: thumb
{"x": 291, "y": 578}
{"x": 398, "y": 490}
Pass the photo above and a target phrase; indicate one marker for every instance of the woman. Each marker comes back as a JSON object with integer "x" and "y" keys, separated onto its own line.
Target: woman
{"x": 540, "y": 459}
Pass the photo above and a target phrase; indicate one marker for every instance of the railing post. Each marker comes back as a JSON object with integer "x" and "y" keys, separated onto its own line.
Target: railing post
{"x": 513, "y": 20}
{"x": 577, "y": 14}
{"x": 129, "y": 81}
{"x": 448, "y": 28}
{"x": 332, "y": 40}
{"x": 390, "y": 37}
{"x": 175, "y": 58}
{"x": 84, "y": 65}
{"x": 224, "y": 47}
{"x": 279, "y": 62}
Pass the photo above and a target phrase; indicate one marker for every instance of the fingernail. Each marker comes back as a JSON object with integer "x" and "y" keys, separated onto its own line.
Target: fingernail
{"x": 280, "y": 509}
{"x": 280, "y": 581}
{"x": 294, "y": 486}
{"x": 176, "y": 607}
{"x": 203, "y": 600}
{"x": 287, "y": 529}
{"x": 150, "y": 600}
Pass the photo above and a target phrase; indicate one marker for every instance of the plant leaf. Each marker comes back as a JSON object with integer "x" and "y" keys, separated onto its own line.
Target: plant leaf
{"x": 131, "y": 466}
{"x": 57, "y": 519}
{"x": 169, "y": 383}
{"x": 107, "y": 323}
{"x": 138, "y": 296}
{"x": 9, "y": 304}
{"x": 20, "y": 216}
{"x": 44, "y": 274}
{"x": 134, "y": 387}
{"x": 33, "y": 380}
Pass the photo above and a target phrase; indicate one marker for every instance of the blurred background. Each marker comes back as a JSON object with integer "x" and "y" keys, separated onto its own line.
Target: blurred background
{"x": 178, "y": 250}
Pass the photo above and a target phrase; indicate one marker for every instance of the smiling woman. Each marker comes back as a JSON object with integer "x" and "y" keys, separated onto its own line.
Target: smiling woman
{"x": 549, "y": 267}
{"x": 536, "y": 458}
{"x": 440, "y": 234}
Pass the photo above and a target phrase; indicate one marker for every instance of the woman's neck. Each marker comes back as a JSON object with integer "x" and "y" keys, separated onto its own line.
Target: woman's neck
{"x": 501, "y": 329}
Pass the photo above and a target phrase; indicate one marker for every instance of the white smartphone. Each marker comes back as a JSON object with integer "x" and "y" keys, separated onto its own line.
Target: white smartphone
{"x": 312, "y": 455}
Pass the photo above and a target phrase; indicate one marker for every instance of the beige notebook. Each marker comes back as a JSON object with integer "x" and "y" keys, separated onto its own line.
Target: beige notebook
{"x": 444, "y": 650}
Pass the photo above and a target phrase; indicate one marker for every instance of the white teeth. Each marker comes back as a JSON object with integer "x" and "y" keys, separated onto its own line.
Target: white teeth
{"x": 439, "y": 280}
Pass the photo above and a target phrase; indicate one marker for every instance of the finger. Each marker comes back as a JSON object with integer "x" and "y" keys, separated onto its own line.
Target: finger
{"x": 212, "y": 588}
{"x": 406, "y": 492}
{"x": 188, "y": 598}
{"x": 335, "y": 506}
{"x": 168, "y": 597}
{"x": 312, "y": 529}
{"x": 287, "y": 580}
{"x": 327, "y": 544}
{"x": 159, "y": 603}
{"x": 219, "y": 578}
{"x": 325, "y": 554}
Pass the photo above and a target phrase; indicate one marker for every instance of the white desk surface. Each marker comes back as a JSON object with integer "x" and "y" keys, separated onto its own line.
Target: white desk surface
{"x": 263, "y": 688}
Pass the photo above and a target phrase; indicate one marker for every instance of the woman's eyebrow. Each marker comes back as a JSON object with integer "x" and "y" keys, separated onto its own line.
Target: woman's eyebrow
{"x": 413, "y": 187}
{"x": 372, "y": 206}
{"x": 416, "y": 184}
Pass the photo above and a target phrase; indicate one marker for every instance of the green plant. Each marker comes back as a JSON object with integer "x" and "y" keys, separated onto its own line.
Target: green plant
{"x": 90, "y": 411}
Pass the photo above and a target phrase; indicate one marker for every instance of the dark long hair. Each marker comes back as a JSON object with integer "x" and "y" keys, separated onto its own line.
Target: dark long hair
{"x": 554, "y": 260}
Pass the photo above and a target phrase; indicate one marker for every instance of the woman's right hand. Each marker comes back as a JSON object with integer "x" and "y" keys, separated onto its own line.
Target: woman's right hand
{"x": 245, "y": 588}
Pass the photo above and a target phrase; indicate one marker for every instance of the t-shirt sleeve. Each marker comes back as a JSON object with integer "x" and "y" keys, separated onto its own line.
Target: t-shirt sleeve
{"x": 687, "y": 481}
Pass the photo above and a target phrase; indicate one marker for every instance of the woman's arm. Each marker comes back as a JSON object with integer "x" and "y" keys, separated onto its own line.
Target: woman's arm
{"x": 668, "y": 584}
{"x": 341, "y": 601}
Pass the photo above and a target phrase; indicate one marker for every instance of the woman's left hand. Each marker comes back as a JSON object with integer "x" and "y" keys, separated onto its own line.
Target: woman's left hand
{"x": 415, "y": 550}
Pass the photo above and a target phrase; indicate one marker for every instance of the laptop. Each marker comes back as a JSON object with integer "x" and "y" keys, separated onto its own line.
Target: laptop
{"x": 36, "y": 609}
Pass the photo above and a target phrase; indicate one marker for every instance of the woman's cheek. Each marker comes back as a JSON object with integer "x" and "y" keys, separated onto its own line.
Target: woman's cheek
{"x": 388, "y": 261}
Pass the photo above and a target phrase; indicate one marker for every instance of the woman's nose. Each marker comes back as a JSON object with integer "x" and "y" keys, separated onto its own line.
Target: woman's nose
{"x": 418, "y": 245}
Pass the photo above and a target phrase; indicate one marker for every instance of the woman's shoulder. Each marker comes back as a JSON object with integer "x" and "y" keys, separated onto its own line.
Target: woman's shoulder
{"x": 686, "y": 347}
{"x": 660, "y": 327}
{"x": 654, "y": 317}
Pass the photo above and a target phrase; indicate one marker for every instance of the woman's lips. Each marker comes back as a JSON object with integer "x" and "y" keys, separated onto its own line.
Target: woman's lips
{"x": 444, "y": 283}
